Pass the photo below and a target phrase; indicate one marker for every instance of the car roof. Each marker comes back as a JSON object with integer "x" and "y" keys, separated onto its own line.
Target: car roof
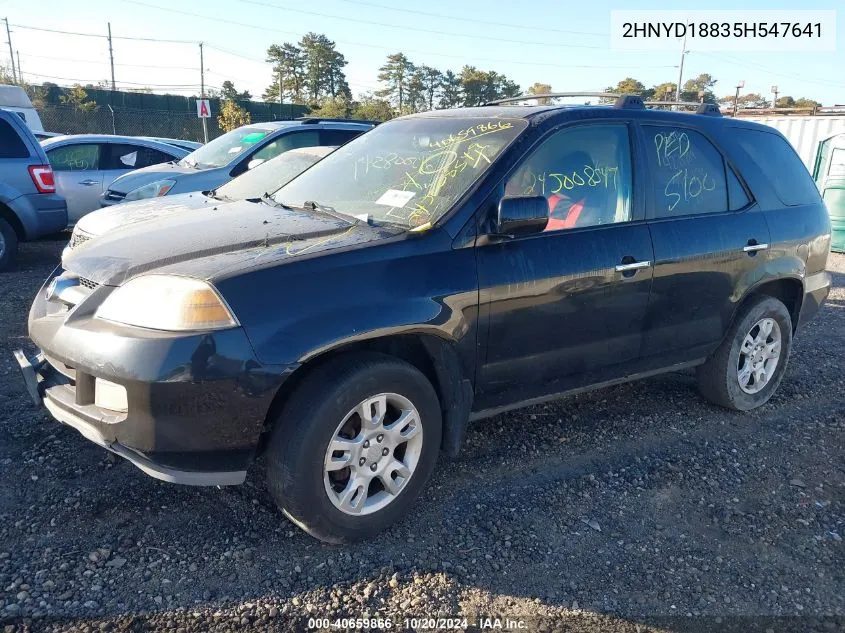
{"x": 67, "y": 139}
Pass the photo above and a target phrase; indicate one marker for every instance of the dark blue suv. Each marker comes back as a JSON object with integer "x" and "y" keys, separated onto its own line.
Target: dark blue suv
{"x": 443, "y": 267}
{"x": 29, "y": 205}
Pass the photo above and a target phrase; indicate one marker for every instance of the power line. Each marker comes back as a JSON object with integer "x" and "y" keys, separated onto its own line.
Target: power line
{"x": 474, "y": 20}
{"x": 415, "y": 29}
{"x": 755, "y": 66}
{"x": 381, "y": 47}
{"x": 105, "y": 61}
{"x": 127, "y": 83}
{"x": 105, "y": 37}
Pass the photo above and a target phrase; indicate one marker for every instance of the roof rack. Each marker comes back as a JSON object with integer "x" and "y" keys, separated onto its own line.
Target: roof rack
{"x": 625, "y": 102}
{"x": 553, "y": 95}
{"x": 316, "y": 119}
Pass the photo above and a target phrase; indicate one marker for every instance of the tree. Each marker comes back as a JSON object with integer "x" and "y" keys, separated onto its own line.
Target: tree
{"x": 785, "y": 102}
{"x": 803, "y": 102}
{"x": 229, "y": 92}
{"x": 451, "y": 93}
{"x": 750, "y": 100}
{"x": 703, "y": 83}
{"x": 473, "y": 82}
{"x": 430, "y": 80}
{"x": 324, "y": 74}
{"x": 371, "y": 108}
{"x": 289, "y": 60}
{"x": 540, "y": 89}
{"x": 396, "y": 74}
{"x": 232, "y": 116}
{"x": 77, "y": 98}
{"x": 664, "y": 92}
{"x": 628, "y": 86}
{"x": 333, "y": 108}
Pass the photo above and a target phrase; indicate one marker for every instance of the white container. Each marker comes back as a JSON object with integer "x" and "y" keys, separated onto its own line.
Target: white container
{"x": 804, "y": 132}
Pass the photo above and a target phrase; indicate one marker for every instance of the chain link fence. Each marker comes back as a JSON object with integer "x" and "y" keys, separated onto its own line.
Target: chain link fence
{"x": 131, "y": 122}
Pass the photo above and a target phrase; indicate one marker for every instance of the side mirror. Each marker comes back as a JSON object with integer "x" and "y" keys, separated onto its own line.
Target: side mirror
{"x": 522, "y": 215}
{"x": 255, "y": 162}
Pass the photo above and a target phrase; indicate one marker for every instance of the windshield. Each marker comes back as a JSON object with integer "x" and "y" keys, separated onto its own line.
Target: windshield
{"x": 408, "y": 172}
{"x": 222, "y": 150}
{"x": 269, "y": 176}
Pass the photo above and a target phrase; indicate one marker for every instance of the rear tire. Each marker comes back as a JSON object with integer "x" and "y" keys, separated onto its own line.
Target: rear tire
{"x": 8, "y": 245}
{"x": 373, "y": 473}
{"x": 746, "y": 369}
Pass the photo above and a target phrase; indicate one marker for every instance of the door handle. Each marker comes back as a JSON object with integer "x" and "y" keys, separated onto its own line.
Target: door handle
{"x": 623, "y": 268}
{"x": 89, "y": 182}
{"x": 753, "y": 247}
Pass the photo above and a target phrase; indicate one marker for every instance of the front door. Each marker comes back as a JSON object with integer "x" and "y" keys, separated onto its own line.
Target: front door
{"x": 709, "y": 240}
{"x": 566, "y": 307}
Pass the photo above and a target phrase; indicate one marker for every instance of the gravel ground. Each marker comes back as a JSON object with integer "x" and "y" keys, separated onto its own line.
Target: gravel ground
{"x": 612, "y": 510}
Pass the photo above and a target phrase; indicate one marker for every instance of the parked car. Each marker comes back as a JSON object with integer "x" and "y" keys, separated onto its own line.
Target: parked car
{"x": 230, "y": 155}
{"x": 188, "y": 145}
{"x": 43, "y": 136}
{"x": 86, "y": 164}
{"x": 29, "y": 205}
{"x": 14, "y": 99}
{"x": 446, "y": 266}
{"x": 262, "y": 180}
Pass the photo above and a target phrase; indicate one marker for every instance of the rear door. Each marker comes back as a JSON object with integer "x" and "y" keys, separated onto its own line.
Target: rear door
{"x": 79, "y": 177}
{"x": 121, "y": 158}
{"x": 709, "y": 238}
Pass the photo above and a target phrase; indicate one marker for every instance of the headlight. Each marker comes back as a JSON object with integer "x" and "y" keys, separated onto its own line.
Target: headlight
{"x": 151, "y": 190}
{"x": 165, "y": 302}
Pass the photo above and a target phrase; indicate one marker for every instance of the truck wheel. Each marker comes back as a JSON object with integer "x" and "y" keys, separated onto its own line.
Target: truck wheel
{"x": 8, "y": 244}
{"x": 748, "y": 366}
{"x": 354, "y": 446}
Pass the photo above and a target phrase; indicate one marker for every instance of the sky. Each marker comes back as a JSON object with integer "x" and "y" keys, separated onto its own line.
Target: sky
{"x": 558, "y": 42}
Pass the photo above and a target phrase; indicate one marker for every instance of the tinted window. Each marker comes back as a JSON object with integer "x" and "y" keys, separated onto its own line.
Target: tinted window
{"x": 125, "y": 156}
{"x": 736, "y": 193}
{"x": 584, "y": 173}
{"x": 80, "y": 157}
{"x": 687, "y": 172}
{"x": 287, "y": 142}
{"x": 786, "y": 173}
{"x": 224, "y": 149}
{"x": 11, "y": 144}
{"x": 269, "y": 176}
{"x": 337, "y": 137}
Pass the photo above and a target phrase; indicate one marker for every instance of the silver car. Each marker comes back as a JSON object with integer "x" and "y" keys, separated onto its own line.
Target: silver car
{"x": 264, "y": 179}
{"x": 86, "y": 164}
{"x": 231, "y": 155}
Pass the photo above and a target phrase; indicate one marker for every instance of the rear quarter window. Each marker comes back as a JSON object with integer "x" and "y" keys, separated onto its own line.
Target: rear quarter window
{"x": 787, "y": 175}
{"x": 11, "y": 144}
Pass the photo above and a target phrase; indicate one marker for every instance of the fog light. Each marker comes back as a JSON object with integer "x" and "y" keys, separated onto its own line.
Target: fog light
{"x": 109, "y": 395}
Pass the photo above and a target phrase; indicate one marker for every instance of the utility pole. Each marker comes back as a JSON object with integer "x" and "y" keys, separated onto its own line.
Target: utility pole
{"x": 202, "y": 95}
{"x": 739, "y": 85}
{"x": 111, "y": 60}
{"x": 11, "y": 54}
{"x": 280, "y": 92}
{"x": 20, "y": 72}
{"x": 774, "y": 92}
{"x": 681, "y": 70}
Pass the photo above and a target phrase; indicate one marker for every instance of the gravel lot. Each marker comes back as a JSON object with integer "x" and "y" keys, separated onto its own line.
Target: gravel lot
{"x": 612, "y": 509}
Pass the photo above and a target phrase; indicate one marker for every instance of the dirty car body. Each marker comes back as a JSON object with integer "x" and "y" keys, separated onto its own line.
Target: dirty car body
{"x": 480, "y": 296}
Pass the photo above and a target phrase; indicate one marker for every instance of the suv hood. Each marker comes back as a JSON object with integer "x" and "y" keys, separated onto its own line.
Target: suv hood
{"x": 212, "y": 240}
{"x": 108, "y": 219}
{"x": 146, "y": 175}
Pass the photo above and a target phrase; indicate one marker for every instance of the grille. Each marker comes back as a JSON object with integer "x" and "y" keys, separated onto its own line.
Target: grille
{"x": 87, "y": 283}
{"x": 78, "y": 238}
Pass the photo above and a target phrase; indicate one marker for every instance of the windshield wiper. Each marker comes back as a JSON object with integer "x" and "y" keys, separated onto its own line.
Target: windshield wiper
{"x": 268, "y": 199}
{"x": 325, "y": 210}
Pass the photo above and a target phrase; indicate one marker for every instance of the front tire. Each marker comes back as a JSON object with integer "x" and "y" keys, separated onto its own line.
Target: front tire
{"x": 354, "y": 446}
{"x": 746, "y": 369}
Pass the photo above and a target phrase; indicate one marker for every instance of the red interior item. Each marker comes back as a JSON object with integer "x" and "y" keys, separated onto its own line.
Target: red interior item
{"x": 571, "y": 218}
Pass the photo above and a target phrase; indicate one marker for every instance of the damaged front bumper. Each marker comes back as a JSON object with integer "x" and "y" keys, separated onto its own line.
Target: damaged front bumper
{"x": 186, "y": 408}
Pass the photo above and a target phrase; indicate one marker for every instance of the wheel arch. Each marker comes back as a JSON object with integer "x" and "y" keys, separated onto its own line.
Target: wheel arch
{"x": 789, "y": 290}
{"x": 434, "y": 356}
{"x": 14, "y": 221}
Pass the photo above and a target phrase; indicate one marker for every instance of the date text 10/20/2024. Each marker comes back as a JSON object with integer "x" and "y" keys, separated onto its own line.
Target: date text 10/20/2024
{"x": 420, "y": 624}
